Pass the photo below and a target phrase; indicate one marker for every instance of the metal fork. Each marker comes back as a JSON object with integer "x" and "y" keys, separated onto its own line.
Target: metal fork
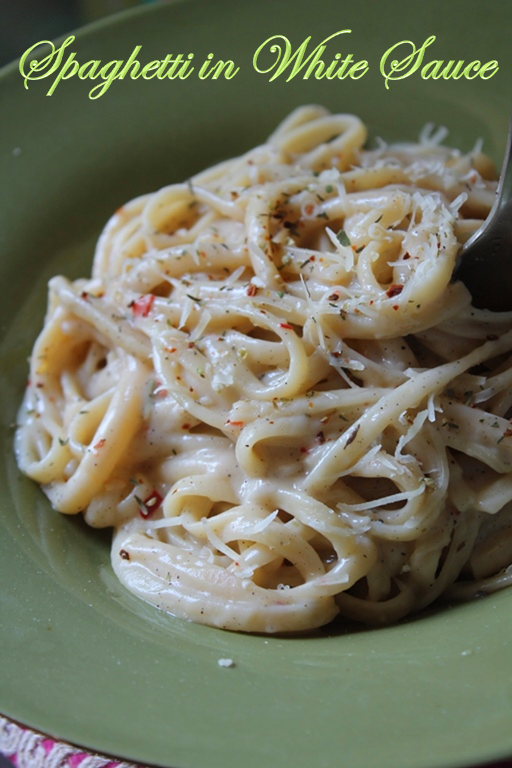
{"x": 484, "y": 263}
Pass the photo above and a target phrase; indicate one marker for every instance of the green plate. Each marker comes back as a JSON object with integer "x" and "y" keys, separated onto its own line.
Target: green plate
{"x": 80, "y": 658}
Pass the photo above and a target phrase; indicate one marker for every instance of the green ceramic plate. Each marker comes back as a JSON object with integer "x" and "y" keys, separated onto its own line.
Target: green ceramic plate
{"x": 80, "y": 658}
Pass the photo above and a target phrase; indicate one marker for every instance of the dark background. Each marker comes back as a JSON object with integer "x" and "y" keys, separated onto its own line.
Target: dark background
{"x": 25, "y": 22}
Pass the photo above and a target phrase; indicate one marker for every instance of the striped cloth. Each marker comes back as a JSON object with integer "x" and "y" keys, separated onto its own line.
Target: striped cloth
{"x": 27, "y": 749}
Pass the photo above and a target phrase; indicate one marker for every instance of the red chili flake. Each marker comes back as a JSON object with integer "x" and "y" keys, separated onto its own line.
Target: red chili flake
{"x": 185, "y": 426}
{"x": 170, "y": 349}
{"x": 320, "y": 438}
{"x": 252, "y": 289}
{"x": 308, "y": 209}
{"x": 304, "y": 450}
{"x": 153, "y": 501}
{"x": 150, "y": 504}
{"x": 406, "y": 256}
{"x": 394, "y": 290}
{"x": 334, "y": 297}
{"x": 84, "y": 295}
{"x": 286, "y": 325}
{"x": 235, "y": 423}
{"x": 395, "y": 307}
{"x": 101, "y": 442}
{"x": 142, "y": 307}
{"x": 190, "y": 345}
{"x": 124, "y": 555}
{"x": 492, "y": 337}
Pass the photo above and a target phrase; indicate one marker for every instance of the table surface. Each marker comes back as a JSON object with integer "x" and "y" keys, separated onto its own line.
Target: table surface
{"x": 29, "y": 749}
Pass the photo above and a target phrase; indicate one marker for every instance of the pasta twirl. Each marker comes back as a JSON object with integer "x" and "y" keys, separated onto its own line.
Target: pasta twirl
{"x": 274, "y": 394}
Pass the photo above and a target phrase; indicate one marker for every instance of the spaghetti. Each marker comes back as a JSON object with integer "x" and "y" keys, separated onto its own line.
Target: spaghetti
{"x": 272, "y": 391}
